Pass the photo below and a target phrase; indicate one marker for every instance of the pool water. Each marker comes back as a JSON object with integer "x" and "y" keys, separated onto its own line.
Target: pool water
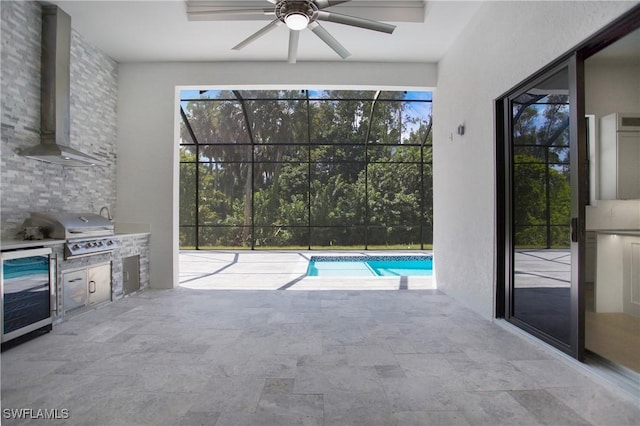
{"x": 367, "y": 266}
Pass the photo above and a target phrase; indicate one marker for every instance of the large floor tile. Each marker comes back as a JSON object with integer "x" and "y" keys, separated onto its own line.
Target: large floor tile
{"x": 229, "y": 357}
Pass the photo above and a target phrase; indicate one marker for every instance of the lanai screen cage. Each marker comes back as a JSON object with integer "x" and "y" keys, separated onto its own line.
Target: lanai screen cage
{"x": 305, "y": 169}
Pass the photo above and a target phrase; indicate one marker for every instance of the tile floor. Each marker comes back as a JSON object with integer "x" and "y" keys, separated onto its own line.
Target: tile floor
{"x": 200, "y": 355}
{"x": 224, "y": 357}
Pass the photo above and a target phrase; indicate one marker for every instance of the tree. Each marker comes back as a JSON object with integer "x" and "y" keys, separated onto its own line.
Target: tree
{"x": 541, "y": 190}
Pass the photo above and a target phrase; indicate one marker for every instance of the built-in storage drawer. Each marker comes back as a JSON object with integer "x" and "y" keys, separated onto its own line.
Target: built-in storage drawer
{"x": 74, "y": 288}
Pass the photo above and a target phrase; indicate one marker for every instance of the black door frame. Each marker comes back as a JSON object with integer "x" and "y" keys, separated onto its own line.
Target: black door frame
{"x": 574, "y": 60}
{"x": 505, "y": 192}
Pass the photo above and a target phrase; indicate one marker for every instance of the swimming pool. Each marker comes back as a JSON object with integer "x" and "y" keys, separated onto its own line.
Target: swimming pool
{"x": 367, "y": 266}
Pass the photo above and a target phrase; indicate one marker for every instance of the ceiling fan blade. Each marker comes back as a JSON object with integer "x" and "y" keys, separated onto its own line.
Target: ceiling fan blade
{"x": 294, "y": 37}
{"x": 322, "y": 4}
{"x": 270, "y": 26}
{"x": 265, "y": 11}
{"x": 328, "y": 38}
{"x": 339, "y": 18}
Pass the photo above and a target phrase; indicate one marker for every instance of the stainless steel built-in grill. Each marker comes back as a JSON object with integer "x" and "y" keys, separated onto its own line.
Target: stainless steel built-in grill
{"x": 86, "y": 233}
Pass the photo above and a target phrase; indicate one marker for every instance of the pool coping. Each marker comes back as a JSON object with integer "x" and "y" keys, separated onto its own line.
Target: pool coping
{"x": 361, "y": 258}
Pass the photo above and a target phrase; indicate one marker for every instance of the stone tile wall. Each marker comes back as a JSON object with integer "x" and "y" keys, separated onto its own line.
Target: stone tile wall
{"x": 130, "y": 246}
{"x": 30, "y": 185}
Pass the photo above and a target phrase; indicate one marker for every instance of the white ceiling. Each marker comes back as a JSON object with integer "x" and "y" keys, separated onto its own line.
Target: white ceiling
{"x": 625, "y": 51}
{"x": 159, "y": 30}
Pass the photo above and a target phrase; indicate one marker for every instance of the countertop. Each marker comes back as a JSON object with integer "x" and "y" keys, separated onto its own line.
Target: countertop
{"x": 635, "y": 232}
{"x": 25, "y": 244}
{"x": 130, "y": 234}
{"x": 132, "y": 229}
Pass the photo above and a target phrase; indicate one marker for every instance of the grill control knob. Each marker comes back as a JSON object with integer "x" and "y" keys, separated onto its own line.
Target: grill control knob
{"x": 75, "y": 247}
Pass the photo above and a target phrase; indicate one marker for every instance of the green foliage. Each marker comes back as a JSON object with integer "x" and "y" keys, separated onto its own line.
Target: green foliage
{"x": 540, "y": 177}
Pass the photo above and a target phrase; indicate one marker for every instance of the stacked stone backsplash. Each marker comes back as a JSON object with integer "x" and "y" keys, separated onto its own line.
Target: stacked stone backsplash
{"x": 30, "y": 185}
{"x": 133, "y": 245}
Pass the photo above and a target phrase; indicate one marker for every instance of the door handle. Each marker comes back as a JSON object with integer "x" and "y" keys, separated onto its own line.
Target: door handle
{"x": 574, "y": 230}
{"x": 92, "y": 286}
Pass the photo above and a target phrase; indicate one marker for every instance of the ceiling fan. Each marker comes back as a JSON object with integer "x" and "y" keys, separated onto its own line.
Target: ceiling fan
{"x": 298, "y": 15}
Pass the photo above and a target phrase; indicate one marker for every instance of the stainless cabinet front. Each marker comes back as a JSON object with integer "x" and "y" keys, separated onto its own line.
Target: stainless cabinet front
{"x": 86, "y": 286}
{"x": 74, "y": 287}
{"x": 99, "y": 283}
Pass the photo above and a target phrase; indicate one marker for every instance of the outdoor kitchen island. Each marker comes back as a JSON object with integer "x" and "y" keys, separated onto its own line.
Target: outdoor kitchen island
{"x": 127, "y": 265}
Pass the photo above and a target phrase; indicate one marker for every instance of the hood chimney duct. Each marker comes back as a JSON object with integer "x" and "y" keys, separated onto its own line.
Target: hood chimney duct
{"x": 55, "y": 93}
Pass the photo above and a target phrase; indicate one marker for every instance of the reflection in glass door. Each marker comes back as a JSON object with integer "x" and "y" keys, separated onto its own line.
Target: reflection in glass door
{"x": 612, "y": 302}
{"x": 540, "y": 194}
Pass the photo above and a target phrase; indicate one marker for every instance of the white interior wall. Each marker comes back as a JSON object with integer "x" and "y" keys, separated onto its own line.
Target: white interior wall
{"x": 611, "y": 88}
{"x": 503, "y": 44}
{"x": 147, "y": 178}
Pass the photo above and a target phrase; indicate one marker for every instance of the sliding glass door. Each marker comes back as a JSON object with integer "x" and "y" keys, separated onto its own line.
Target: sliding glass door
{"x": 541, "y": 172}
{"x": 541, "y": 203}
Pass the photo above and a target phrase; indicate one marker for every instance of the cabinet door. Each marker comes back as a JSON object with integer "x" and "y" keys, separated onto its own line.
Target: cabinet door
{"x": 628, "y": 165}
{"x": 99, "y": 283}
{"x": 131, "y": 274}
{"x": 74, "y": 288}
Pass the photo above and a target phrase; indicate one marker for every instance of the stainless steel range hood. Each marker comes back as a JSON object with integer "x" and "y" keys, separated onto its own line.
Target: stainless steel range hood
{"x": 55, "y": 95}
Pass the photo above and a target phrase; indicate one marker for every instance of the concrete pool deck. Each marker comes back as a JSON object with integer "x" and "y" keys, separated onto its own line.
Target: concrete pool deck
{"x": 284, "y": 270}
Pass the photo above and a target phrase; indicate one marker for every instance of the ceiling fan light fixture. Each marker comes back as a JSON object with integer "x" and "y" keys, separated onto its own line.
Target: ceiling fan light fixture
{"x": 296, "y": 21}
